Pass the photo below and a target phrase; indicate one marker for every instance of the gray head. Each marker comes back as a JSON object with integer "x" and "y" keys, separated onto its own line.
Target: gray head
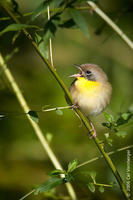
{"x": 91, "y": 72}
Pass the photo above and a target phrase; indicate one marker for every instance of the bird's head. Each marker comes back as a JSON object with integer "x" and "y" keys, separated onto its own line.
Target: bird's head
{"x": 91, "y": 72}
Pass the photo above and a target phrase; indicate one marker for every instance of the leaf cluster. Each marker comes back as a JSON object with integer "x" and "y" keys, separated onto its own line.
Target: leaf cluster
{"x": 114, "y": 124}
{"x": 57, "y": 179}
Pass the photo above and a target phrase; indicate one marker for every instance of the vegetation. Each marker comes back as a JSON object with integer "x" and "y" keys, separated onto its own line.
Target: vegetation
{"x": 68, "y": 27}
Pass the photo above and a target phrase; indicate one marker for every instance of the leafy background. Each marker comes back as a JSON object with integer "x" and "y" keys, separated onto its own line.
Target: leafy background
{"x": 23, "y": 162}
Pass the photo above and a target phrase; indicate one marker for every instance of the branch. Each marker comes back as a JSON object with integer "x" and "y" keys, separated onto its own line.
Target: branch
{"x": 50, "y": 41}
{"x": 110, "y": 23}
{"x": 34, "y": 125}
{"x": 97, "y": 158}
{"x": 79, "y": 113}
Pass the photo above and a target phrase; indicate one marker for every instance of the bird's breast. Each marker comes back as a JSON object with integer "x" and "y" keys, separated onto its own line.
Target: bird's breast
{"x": 91, "y": 96}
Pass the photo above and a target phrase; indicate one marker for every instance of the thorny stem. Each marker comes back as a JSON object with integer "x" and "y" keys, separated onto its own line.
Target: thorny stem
{"x": 80, "y": 114}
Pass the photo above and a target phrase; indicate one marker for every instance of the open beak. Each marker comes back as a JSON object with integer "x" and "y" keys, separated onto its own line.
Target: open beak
{"x": 77, "y": 75}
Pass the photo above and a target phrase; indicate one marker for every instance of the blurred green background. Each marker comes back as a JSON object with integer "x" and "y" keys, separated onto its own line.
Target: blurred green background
{"x": 23, "y": 162}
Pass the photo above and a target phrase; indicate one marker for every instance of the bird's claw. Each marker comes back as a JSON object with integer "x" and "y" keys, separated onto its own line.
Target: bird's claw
{"x": 92, "y": 131}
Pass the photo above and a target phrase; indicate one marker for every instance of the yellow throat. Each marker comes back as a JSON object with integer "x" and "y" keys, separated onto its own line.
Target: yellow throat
{"x": 84, "y": 85}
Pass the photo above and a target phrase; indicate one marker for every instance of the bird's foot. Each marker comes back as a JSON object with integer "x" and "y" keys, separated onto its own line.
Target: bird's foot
{"x": 92, "y": 130}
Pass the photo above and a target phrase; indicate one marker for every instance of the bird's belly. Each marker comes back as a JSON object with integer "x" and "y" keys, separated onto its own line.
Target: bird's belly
{"x": 92, "y": 101}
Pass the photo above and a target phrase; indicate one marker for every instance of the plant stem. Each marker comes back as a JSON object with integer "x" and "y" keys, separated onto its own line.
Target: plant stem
{"x": 58, "y": 108}
{"x": 102, "y": 184}
{"x": 34, "y": 125}
{"x": 80, "y": 114}
{"x": 28, "y": 194}
{"x": 50, "y": 41}
{"x": 95, "y": 8}
{"x": 97, "y": 158}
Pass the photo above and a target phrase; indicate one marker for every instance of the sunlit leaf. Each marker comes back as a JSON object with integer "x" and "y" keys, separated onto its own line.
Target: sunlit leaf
{"x": 59, "y": 112}
{"x": 91, "y": 187}
{"x": 48, "y": 185}
{"x": 79, "y": 20}
{"x": 34, "y": 116}
{"x": 72, "y": 166}
{"x": 16, "y": 27}
{"x": 109, "y": 118}
{"x": 49, "y": 137}
{"x": 101, "y": 189}
{"x": 121, "y": 134}
{"x": 126, "y": 115}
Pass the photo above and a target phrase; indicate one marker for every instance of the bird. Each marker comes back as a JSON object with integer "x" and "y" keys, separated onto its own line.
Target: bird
{"x": 91, "y": 90}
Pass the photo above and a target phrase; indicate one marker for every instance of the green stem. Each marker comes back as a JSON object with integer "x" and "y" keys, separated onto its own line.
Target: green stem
{"x": 104, "y": 185}
{"x": 80, "y": 114}
{"x": 57, "y": 108}
{"x": 28, "y": 194}
{"x": 97, "y": 158}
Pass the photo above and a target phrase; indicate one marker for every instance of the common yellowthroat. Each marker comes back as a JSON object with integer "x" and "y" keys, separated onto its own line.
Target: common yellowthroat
{"x": 90, "y": 91}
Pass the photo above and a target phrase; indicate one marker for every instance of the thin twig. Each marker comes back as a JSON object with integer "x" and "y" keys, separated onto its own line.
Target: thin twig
{"x": 98, "y": 157}
{"x": 95, "y": 8}
{"x": 102, "y": 184}
{"x": 50, "y": 41}
{"x": 81, "y": 115}
{"x": 28, "y": 194}
{"x": 34, "y": 125}
{"x": 57, "y": 108}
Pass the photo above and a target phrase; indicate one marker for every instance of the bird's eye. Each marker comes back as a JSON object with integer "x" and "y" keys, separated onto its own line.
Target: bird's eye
{"x": 88, "y": 72}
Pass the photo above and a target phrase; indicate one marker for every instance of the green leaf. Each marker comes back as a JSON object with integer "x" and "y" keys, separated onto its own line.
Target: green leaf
{"x": 56, "y": 172}
{"x": 106, "y": 135}
{"x": 40, "y": 9}
{"x": 68, "y": 177}
{"x": 49, "y": 137}
{"x": 34, "y": 116}
{"x": 79, "y": 20}
{"x": 48, "y": 185}
{"x": 109, "y": 118}
{"x": 126, "y": 116}
{"x": 69, "y": 23}
{"x": 91, "y": 187}
{"x": 59, "y": 112}
{"x": 43, "y": 44}
{"x": 72, "y": 166}
{"x": 16, "y": 27}
{"x": 101, "y": 189}
{"x": 121, "y": 134}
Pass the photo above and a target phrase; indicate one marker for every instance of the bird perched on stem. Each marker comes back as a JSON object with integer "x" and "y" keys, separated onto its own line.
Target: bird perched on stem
{"x": 90, "y": 91}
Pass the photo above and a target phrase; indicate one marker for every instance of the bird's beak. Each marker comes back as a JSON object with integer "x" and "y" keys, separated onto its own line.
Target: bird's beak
{"x": 77, "y": 75}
